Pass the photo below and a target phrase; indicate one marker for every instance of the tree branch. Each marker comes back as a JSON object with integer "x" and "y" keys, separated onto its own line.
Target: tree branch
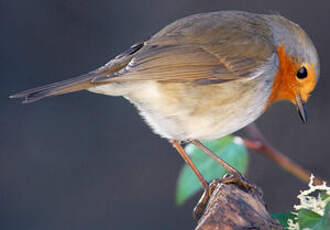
{"x": 262, "y": 145}
{"x": 231, "y": 207}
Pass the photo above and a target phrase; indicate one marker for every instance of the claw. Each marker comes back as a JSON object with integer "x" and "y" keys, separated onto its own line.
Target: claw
{"x": 201, "y": 204}
{"x": 227, "y": 179}
{"x": 240, "y": 180}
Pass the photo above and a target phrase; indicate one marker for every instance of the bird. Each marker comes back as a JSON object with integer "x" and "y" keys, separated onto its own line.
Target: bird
{"x": 206, "y": 76}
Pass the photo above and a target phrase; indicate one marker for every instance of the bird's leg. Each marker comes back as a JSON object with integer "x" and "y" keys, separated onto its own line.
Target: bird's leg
{"x": 187, "y": 159}
{"x": 199, "y": 209}
{"x": 236, "y": 177}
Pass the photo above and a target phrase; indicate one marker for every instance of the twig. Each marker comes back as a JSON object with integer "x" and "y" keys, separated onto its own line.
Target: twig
{"x": 261, "y": 144}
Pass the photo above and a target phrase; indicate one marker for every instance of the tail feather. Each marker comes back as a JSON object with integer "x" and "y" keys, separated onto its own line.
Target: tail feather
{"x": 110, "y": 70}
{"x": 67, "y": 86}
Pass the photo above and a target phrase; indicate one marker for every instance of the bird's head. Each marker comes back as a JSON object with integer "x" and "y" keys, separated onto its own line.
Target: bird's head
{"x": 299, "y": 68}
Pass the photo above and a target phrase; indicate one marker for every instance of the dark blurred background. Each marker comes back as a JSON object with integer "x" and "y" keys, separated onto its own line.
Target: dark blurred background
{"x": 88, "y": 161}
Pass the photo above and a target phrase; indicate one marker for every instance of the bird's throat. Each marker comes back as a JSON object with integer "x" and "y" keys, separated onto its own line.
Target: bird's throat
{"x": 284, "y": 84}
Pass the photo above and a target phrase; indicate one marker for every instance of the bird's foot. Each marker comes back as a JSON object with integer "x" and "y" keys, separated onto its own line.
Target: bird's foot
{"x": 240, "y": 180}
{"x": 237, "y": 179}
{"x": 201, "y": 204}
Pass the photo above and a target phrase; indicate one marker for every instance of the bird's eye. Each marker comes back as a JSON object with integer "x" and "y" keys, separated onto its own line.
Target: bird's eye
{"x": 302, "y": 73}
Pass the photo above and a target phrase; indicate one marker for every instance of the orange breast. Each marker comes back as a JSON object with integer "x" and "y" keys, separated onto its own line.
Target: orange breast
{"x": 284, "y": 82}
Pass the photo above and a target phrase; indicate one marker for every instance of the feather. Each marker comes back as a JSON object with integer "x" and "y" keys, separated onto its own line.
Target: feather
{"x": 81, "y": 82}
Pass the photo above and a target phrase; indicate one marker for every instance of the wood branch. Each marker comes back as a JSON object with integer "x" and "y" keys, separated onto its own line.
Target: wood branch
{"x": 231, "y": 207}
{"x": 263, "y": 146}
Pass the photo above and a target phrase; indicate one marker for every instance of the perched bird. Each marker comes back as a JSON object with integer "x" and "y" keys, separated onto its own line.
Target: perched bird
{"x": 206, "y": 76}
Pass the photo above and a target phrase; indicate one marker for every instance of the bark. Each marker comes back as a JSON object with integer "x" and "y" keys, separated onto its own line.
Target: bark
{"x": 231, "y": 207}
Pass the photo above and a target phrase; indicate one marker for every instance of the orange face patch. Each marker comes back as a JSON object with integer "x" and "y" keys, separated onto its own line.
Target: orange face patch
{"x": 286, "y": 85}
{"x": 307, "y": 85}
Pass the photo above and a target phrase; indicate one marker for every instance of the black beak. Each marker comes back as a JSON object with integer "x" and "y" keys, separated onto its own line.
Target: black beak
{"x": 301, "y": 108}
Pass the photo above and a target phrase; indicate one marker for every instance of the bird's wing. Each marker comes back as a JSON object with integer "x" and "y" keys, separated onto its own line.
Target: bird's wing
{"x": 204, "y": 49}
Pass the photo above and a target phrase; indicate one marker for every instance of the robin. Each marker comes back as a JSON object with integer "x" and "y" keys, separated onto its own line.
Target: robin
{"x": 206, "y": 76}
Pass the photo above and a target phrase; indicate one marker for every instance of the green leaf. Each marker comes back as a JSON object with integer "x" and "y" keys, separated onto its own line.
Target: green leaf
{"x": 325, "y": 222}
{"x": 324, "y": 196}
{"x": 327, "y": 212}
{"x": 306, "y": 219}
{"x": 312, "y": 220}
{"x": 231, "y": 151}
{"x": 309, "y": 219}
{"x": 283, "y": 218}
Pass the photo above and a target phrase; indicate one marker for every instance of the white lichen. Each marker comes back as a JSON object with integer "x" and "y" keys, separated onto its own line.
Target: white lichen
{"x": 292, "y": 225}
{"x": 310, "y": 202}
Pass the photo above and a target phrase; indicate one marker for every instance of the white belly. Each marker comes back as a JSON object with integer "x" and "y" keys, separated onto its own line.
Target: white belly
{"x": 184, "y": 113}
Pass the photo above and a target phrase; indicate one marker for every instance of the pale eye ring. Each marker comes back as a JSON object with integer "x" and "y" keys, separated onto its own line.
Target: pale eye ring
{"x": 302, "y": 73}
